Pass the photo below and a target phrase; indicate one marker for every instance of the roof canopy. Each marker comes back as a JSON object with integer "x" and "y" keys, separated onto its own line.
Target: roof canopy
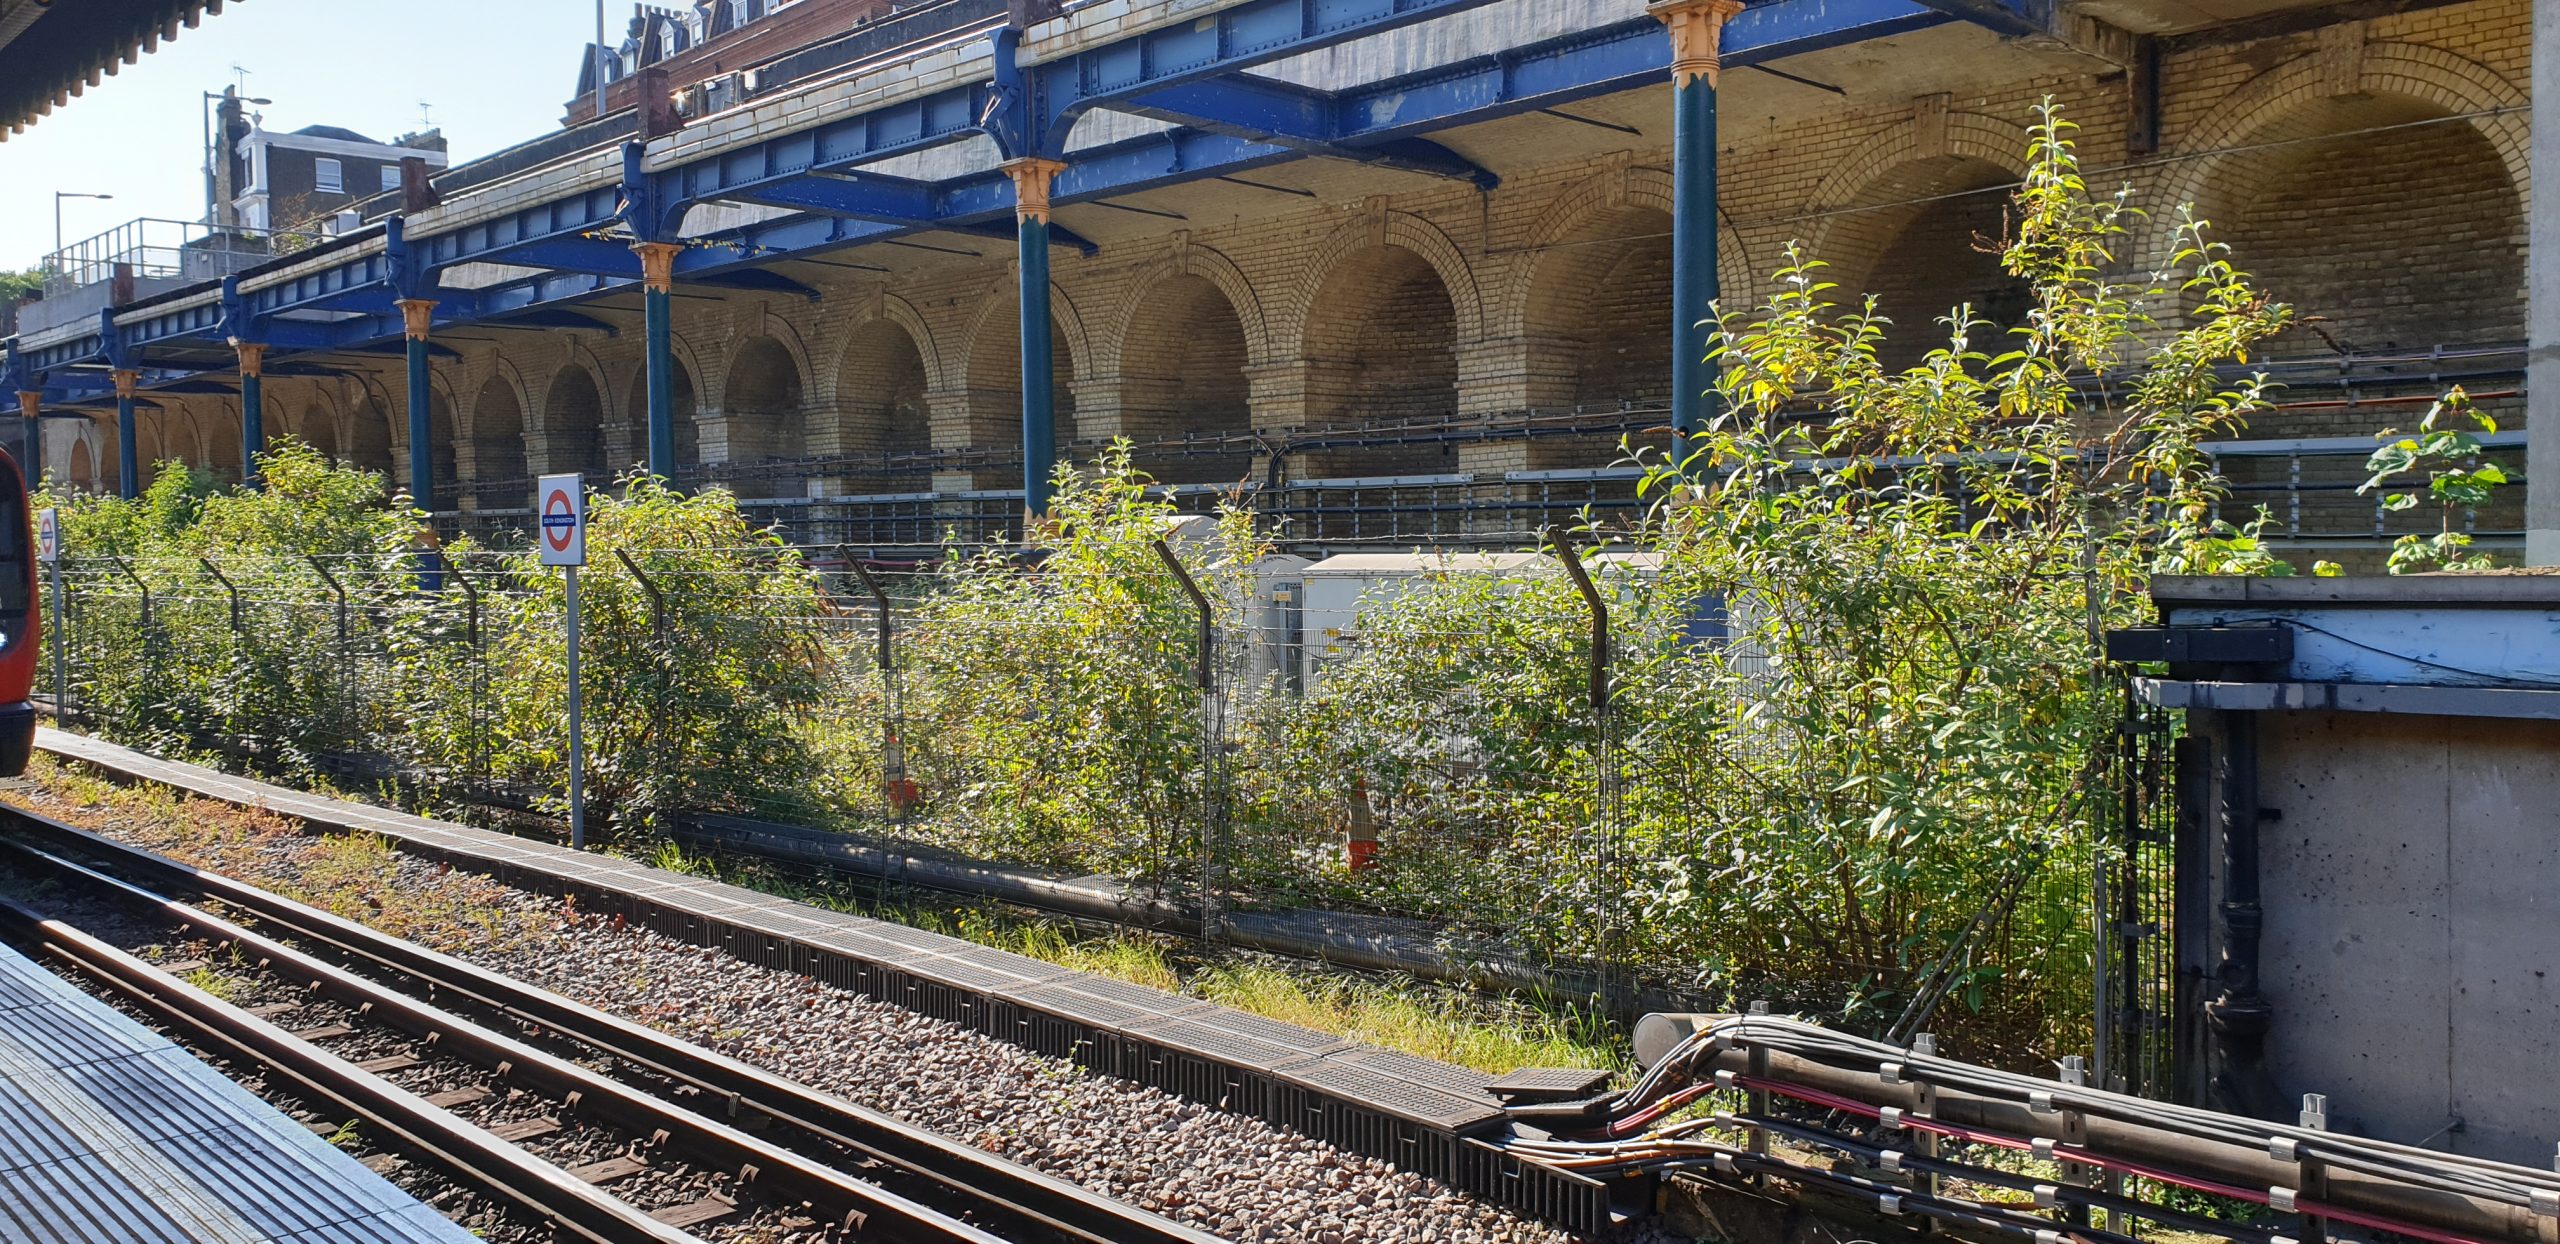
{"x": 49, "y": 53}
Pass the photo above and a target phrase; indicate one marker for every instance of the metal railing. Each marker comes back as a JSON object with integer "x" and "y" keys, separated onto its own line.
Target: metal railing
{"x": 171, "y": 250}
{"x": 2314, "y": 490}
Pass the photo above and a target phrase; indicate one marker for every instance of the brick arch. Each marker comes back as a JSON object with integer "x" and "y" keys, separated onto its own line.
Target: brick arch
{"x": 574, "y": 356}
{"x": 767, "y": 326}
{"x": 502, "y": 377}
{"x": 893, "y": 310}
{"x": 575, "y": 409}
{"x": 763, "y": 409}
{"x": 1396, "y": 230}
{"x": 2265, "y": 104}
{"x": 998, "y": 313}
{"x": 883, "y": 373}
{"x": 369, "y": 438}
{"x": 495, "y": 425}
{"x": 318, "y": 426}
{"x": 634, "y": 416}
{"x": 2326, "y": 182}
{"x": 1903, "y": 162}
{"x": 83, "y": 468}
{"x": 990, "y": 369}
{"x": 1191, "y": 260}
{"x": 1589, "y": 209}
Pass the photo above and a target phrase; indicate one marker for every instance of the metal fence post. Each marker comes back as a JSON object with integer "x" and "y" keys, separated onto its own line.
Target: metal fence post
{"x": 1212, "y": 742}
{"x": 335, "y": 590}
{"x": 227, "y": 588}
{"x": 452, "y": 568}
{"x": 1605, "y": 811}
{"x": 658, "y": 697}
{"x": 470, "y": 603}
{"x": 61, "y": 684}
{"x": 893, "y": 729}
{"x": 150, "y": 635}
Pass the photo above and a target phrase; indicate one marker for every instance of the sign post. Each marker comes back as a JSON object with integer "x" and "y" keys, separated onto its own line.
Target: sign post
{"x": 560, "y": 505}
{"x": 49, "y": 551}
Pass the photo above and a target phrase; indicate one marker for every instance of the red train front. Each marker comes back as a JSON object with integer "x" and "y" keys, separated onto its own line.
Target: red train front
{"x": 19, "y": 644}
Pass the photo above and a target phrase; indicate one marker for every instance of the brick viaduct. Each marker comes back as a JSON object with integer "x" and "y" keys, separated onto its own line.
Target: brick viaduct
{"x": 2371, "y": 171}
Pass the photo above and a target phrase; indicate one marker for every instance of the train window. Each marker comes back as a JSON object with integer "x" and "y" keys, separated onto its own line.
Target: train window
{"x": 15, "y": 556}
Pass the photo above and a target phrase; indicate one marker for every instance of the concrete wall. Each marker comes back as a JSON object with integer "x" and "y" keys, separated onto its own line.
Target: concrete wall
{"x": 2411, "y": 880}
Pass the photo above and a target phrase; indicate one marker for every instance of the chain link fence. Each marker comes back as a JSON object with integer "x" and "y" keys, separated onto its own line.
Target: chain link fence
{"x": 1159, "y": 726}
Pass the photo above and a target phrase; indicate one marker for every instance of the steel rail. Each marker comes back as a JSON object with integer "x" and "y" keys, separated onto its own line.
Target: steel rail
{"x": 787, "y": 1177}
{"x": 470, "y": 1153}
{"x": 735, "y": 1087}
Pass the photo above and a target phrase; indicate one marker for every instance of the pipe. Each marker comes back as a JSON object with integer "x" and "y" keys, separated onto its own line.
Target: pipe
{"x": 2092, "y": 1123}
{"x": 2238, "y": 1017}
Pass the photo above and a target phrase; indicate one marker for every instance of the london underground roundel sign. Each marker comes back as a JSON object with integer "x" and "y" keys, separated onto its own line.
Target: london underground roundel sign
{"x": 560, "y": 517}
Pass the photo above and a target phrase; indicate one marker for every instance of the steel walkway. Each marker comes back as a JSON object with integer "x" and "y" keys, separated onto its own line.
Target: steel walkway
{"x": 108, "y": 1132}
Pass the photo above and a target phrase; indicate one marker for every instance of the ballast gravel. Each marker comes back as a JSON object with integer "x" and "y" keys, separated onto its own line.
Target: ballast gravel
{"x": 1237, "y": 1177}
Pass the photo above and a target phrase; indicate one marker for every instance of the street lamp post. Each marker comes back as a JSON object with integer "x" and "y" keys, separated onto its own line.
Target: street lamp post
{"x": 212, "y": 208}
{"x": 58, "y": 197}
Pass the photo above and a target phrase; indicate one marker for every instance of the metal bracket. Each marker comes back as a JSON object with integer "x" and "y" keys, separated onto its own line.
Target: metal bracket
{"x": 2204, "y": 645}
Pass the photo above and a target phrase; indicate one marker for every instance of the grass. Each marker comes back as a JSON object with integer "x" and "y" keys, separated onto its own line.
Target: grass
{"x": 1423, "y": 1018}
{"x": 356, "y": 876}
{"x": 213, "y": 984}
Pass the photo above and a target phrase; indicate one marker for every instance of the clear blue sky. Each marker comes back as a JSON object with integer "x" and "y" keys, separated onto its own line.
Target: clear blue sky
{"x": 495, "y": 72}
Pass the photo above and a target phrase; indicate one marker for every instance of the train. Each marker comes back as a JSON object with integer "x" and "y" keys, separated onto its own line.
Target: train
{"x": 20, "y": 624}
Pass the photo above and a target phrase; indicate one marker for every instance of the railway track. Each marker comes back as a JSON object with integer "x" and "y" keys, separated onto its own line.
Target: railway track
{"x": 394, "y": 1008}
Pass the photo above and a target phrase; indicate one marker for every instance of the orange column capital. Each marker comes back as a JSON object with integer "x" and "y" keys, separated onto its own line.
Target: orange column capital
{"x": 126, "y": 381}
{"x": 253, "y": 357}
{"x": 658, "y": 265}
{"x": 1032, "y": 177}
{"x": 30, "y": 403}
{"x": 417, "y": 316}
{"x": 1697, "y": 37}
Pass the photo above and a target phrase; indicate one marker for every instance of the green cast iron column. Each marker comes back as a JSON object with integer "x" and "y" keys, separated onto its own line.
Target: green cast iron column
{"x": 1031, "y": 181}
{"x": 1696, "y": 28}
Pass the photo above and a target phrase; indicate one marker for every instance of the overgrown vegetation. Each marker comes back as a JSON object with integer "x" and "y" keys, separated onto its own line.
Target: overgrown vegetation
{"x": 1851, "y": 760}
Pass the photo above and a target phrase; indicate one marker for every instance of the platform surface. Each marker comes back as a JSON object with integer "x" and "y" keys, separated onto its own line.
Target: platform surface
{"x": 108, "y": 1132}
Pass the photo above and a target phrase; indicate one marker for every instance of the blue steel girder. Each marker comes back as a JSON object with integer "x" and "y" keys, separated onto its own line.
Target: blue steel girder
{"x": 1029, "y": 111}
{"x": 2008, "y": 17}
{"x": 855, "y": 196}
{"x": 1606, "y": 60}
{"x": 1235, "y": 38}
{"x": 568, "y": 234}
{"x": 200, "y": 321}
{"x": 322, "y": 289}
{"x": 1299, "y": 118}
{"x": 891, "y": 130}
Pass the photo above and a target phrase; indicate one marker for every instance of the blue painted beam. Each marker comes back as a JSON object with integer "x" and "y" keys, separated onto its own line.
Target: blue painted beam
{"x": 1606, "y": 60}
{"x": 553, "y": 318}
{"x": 2008, "y": 17}
{"x": 565, "y": 234}
{"x": 1232, "y": 39}
{"x": 895, "y": 129}
{"x": 1295, "y": 117}
{"x": 854, "y": 196}
{"x": 587, "y": 211}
